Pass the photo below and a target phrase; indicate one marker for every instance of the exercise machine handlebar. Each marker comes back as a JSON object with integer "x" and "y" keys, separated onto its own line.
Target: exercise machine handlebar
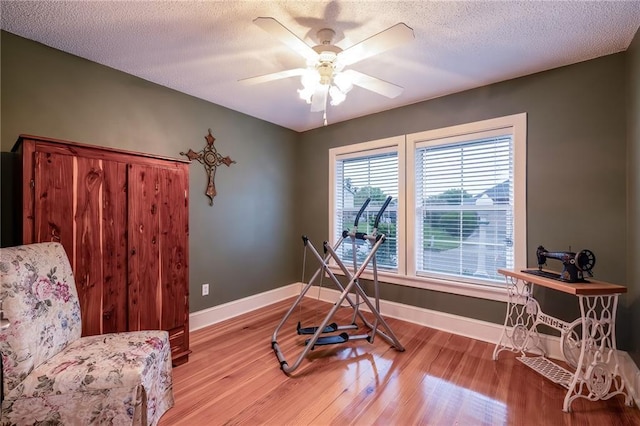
{"x": 363, "y": 235}
{"x": 384, "y": 207}
{"x": 364, "y": 206}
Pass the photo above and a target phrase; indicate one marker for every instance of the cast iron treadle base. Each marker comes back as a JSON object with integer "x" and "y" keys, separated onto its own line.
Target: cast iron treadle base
{"x": 548, "y": 369}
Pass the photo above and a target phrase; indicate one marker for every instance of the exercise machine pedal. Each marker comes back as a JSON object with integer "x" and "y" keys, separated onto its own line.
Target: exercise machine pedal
{"x": 330, "y": 340}
{"x": 331, "y": 328}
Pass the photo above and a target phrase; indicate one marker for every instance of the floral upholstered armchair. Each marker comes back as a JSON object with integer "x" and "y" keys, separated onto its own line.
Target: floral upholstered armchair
{"x": 51, "y": 375}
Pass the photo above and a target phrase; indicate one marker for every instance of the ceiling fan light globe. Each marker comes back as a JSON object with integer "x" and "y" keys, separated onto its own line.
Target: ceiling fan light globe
{"x": 310, "y": 79}
{"x": 337, "y": 96}
{"x": 306, "y": 94}
{"x": 343, "y": 82}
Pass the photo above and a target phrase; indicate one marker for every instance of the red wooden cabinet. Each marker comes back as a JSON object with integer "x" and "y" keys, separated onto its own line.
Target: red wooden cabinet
{"x": 122, "y": 218}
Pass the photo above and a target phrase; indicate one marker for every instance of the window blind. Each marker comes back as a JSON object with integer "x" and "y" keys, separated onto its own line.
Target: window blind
{"x": 464, "y": 208}
{"x": 373, "y": 174}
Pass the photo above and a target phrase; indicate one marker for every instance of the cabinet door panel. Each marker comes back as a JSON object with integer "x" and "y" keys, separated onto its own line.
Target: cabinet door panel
{"x": 173, "y": 247}
{"x": 88, "y": 242}
{"x": 144, "y": 252}
{"x": 114, "y": 232}
{"x": 53, "y": 207}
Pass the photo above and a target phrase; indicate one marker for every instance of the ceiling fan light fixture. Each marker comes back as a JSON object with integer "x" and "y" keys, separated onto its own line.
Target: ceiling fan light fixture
{"x": 343, "y": 81}
{"x": 310, "y": 80}
{"x": 337, "y": 95}
{"x": 325, "y": 71}
{"x": 306, "y": 94}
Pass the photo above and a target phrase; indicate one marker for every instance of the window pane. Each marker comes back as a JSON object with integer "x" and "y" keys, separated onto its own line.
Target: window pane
{"x": 464, "y": 208}
{"x": 374, "y": 176}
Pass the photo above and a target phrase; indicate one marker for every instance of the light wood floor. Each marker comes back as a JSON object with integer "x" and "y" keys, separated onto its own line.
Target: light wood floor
{"x": 233, "y": 377}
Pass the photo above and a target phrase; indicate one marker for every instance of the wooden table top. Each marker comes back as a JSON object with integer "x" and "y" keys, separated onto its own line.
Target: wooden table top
{"x": 592, "y": 288}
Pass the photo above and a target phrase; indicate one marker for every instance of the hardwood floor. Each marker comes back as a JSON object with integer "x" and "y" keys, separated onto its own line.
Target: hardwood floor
{"x": 233, "y": 377}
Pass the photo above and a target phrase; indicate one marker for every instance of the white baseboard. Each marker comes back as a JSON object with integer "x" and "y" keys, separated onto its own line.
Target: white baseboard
{"x": 216, "y": 314}
{"x": 463, "y": 326}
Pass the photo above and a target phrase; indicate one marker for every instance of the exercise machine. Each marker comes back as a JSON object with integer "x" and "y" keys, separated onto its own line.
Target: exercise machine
{"x": 325, "y": 332}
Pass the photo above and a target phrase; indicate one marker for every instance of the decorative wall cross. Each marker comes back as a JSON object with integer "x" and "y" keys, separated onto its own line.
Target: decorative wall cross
{"x": 210, "y": 159}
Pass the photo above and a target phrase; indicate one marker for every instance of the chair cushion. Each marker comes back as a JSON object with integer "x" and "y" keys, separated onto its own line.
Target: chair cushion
{"x": 117, "y": 360}
{"x": 117, "y": 379}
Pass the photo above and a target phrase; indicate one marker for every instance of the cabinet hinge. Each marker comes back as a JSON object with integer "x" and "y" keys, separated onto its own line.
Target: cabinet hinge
{"x": 32, "y": 183}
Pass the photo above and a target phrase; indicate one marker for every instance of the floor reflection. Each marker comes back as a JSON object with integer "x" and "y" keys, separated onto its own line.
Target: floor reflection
{"x": 465, "y": 406}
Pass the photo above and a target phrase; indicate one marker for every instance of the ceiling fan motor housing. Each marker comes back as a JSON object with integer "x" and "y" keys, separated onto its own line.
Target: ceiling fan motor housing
{"x": 325, "y": 36}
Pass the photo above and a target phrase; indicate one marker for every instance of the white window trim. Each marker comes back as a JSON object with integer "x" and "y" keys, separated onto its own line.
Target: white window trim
{"x": 406, "y": 145}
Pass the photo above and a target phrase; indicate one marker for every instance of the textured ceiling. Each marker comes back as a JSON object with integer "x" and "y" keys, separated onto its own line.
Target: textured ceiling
{"x": 203, "y": 48}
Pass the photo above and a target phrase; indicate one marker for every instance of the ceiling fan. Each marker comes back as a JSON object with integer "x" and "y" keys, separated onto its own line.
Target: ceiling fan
{"x": 324, "y": 77}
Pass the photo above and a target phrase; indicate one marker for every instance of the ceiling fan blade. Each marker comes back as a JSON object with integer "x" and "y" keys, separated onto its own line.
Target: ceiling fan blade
{"x": 283, "y": 34}
{"x": 391, "y": 37}
{"x": 319, "y": 99}
{"x": 374, "y": 84}
{"x": 273, "y": 76}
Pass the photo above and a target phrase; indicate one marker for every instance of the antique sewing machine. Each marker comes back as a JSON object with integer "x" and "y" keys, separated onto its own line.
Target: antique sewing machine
{"x": 575, "y": 265}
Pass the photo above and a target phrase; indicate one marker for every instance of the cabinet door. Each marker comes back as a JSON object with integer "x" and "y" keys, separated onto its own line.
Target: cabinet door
{"x": 174, "y": 231}
{"x": 144, "y": 248}
{"x": 80, "y": 202}
{"x": 158, "y": 238}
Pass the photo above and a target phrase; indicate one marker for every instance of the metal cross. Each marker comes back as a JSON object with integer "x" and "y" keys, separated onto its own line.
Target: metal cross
{"x": 210, "y": 159}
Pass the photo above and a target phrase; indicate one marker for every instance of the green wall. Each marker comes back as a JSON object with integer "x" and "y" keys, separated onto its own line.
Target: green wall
{"x": 582, "y": 127}
{"x": 241, "y": 244}
{"x": 576, "y": 169}
{"x": 633, "y": 253}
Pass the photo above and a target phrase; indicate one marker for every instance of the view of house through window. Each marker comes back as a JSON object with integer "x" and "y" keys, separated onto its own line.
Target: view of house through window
{"x": 458, "y": 211}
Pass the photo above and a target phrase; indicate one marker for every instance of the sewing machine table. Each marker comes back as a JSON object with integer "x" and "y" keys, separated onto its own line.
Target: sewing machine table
{"x": 587, "y": 344}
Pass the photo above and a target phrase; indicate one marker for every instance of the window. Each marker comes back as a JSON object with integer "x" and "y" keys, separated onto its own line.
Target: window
{"x": 463, "y": 206}
{"x": 458, "y": 211}
{"x": 373, "y": 172}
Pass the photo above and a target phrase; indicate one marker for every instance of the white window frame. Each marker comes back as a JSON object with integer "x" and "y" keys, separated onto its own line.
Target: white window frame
{"x": 406, "y": 145}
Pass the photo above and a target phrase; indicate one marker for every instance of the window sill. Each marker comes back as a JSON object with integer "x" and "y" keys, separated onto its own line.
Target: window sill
{"x": 497, "y": 293}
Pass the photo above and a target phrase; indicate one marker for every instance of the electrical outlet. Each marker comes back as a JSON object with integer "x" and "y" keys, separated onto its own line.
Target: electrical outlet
{"x": 205, "y": 289}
